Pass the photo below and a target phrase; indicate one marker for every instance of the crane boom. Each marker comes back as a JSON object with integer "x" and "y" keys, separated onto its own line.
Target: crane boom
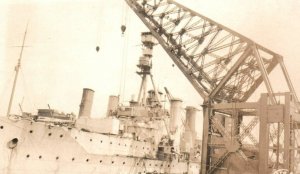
{"x": 225, "y": 68}
{"x": 220, "y": 63}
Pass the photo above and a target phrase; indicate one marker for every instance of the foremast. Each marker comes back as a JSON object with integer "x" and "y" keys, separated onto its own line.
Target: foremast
{"x": 145, "y": 66}
{"x": 17, "y": 69}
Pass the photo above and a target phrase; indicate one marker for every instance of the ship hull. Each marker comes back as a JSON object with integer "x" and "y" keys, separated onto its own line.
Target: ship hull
{"x": 46, "y": 149}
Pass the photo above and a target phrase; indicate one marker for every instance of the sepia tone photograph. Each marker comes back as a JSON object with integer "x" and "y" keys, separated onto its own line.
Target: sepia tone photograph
{"x": 149, "y": 87}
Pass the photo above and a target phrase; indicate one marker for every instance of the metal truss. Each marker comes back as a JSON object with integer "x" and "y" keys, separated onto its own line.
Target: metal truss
{"x": 224, "y": 67}
{"x": 220, "y": 63}
{"x": 230, "y": 142}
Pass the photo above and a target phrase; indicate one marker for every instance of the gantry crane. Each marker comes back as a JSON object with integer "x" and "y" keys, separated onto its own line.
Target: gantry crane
{"x": 226, "y": 68}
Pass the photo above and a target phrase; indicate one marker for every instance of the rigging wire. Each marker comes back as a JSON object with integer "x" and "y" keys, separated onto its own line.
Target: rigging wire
{"x": 98, "y": 39}
{"x": 4, "y": 93}
{"x": 124, "y": 53}
{"x": 31, "y": 100}
{"x": 98, "y": 31}
{"x": 124, "y": 17}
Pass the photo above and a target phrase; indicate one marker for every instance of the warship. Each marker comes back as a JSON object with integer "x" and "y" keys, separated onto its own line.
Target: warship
{"x": 140, "y": 137}
{"x": 240, "y": 136}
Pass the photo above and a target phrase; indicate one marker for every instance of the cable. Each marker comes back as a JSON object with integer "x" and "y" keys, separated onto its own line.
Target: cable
{"x": 98, "y": 32}
{"x": 31, "y": 102}
{"x": 5, "y": 90}
{"x": 124, "y": 59}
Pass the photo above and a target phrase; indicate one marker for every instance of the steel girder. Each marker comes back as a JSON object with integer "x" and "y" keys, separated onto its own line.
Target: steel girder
{"x": 225, "y": 137}
{"x": 224, "y": 67}
{"x": 220, "y": 63}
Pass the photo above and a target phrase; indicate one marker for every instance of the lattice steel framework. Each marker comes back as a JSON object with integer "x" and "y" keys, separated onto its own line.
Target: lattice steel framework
{"x": 222, "y": 65}
{"x": 219, "y": 62}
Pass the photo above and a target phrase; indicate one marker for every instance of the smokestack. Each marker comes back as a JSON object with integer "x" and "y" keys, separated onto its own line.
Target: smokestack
{"x": 191, "y": 113}
{"x": 175, "y": 122}
{"x": 190, "y": 126}
{"x": 113, "y": 103}
{"x": 175, "y": 119}
{"x": 86, "y": 102}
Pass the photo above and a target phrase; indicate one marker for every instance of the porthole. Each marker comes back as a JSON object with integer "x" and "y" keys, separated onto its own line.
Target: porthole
{"x": 91, "y": 139}
{"x": 73, "y": 159}
{"x": 49, "y": 134}
{"x": 57, "y": 158}
{"x": 169, "y": 165}
{"x": 40, "y": 157}
{"x": 137, "y": 164}
{"x": 123, "y": 163}
{"x": 87, "y": 160}
{"x": 101, "y": 141}
{"x": 12, "y": 143}
{"x": 100, "y": 161}
{"x": 30, "y": 131}
{"x": 1, "y": 127}
{"x": 112, "y": 162}
{"x": 61, "y": 136}
{"x": 27, "y": 156}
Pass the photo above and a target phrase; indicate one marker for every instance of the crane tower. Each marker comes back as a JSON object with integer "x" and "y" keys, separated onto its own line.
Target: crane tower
{"x": 226, "y": 68}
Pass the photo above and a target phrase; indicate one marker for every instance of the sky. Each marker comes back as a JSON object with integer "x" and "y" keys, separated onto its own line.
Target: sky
{"x": 60, "y": 57}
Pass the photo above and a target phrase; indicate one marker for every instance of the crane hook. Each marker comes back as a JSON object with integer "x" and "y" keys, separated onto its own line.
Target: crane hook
{"x": 123, "y": 29}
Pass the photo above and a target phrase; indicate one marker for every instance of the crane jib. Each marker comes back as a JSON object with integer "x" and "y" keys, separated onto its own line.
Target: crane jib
{"x": 220, "y": 63}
